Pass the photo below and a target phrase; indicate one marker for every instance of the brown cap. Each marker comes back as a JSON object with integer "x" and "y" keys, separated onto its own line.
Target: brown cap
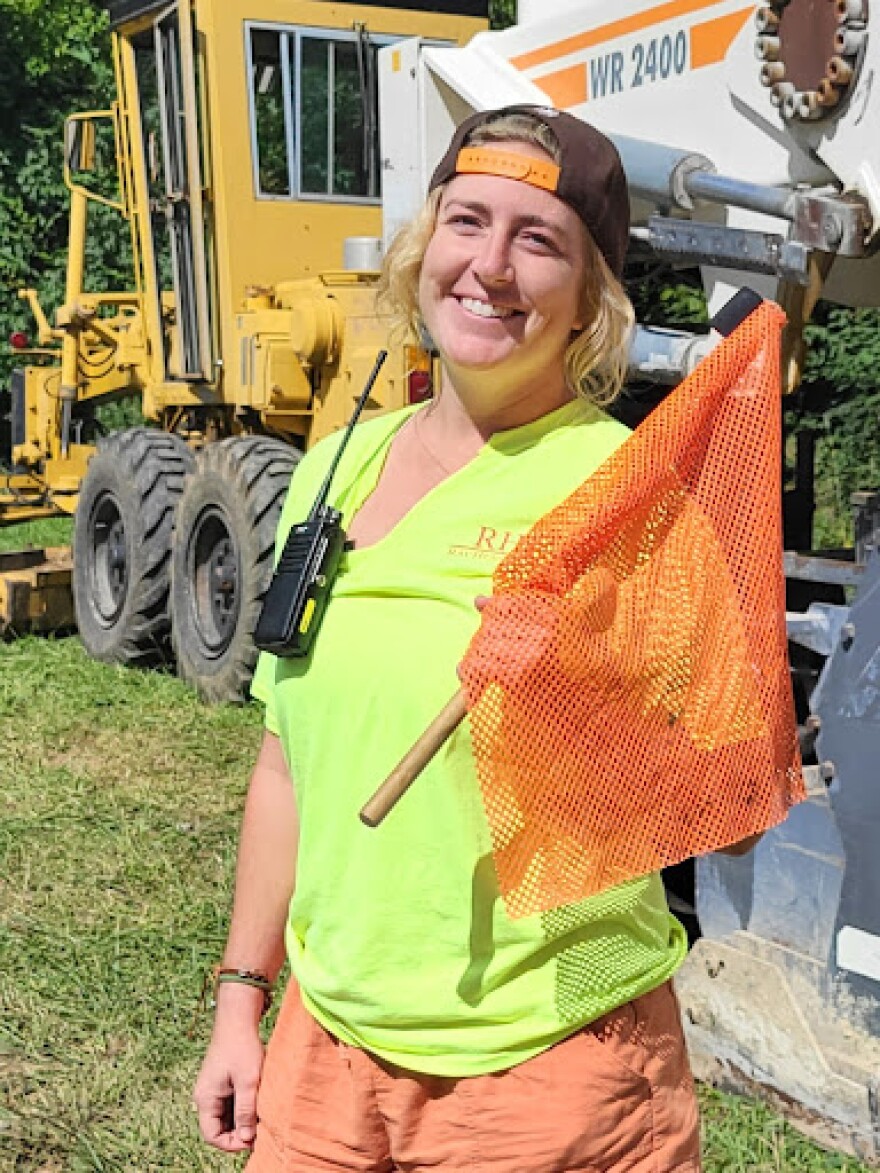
{"x": 590, "y": 176}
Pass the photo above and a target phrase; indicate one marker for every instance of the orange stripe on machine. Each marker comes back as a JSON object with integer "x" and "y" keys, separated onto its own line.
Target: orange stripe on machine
{"x": 608, "y": 32}
{"x": 642, "y": 61}
{"x": 614, "y": 71}
{"x": 567, "y": 87}
{"x": 711, "y": 40}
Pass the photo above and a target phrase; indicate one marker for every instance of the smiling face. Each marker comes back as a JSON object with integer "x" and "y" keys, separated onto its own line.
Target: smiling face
{"x": 500, "y": 288}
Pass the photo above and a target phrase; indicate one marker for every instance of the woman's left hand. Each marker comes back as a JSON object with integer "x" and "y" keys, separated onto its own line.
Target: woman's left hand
{"x": 225, "y": 1095}
{"x": 516, "y": 634}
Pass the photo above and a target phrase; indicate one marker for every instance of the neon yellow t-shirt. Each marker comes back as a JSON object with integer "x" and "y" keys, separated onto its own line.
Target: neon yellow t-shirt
{"x": 397, "y": 936}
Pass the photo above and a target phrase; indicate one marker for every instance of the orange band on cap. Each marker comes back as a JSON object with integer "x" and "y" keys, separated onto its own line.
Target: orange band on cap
{"x": 509, "y": 165}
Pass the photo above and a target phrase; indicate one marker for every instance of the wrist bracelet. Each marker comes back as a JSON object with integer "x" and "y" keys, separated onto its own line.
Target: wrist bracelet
{"x": 243, "y": 977}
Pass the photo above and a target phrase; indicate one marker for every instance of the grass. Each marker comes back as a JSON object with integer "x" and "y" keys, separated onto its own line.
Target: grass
{"x": 120, "y": 796}
{"x": 120, "y": 799}
{"x": 55, "y": 531}
{"x": 742, "y": 1136}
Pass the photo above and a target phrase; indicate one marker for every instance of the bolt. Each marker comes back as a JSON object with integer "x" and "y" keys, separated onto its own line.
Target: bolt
{"x": 839, "y": 71}
{"x": 848, "y": 41}
{"x": 767, "y": 20}
{"x": 827, "y": 771}
{"x": 790, "y": 103}
{"x": 808, "y": 105}
{"x": 768, "y": 48}
{"x": 772, "y": 72}
{"x": 781, "y": 92}
{"x": 829, "y": 93}
{"x": 847, "y": 636}
{"x": 832, "y": 229}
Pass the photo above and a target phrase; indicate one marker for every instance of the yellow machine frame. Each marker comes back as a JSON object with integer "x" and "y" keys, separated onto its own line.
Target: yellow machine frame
{"x": 282, "y": 335}
{"x": 243, "y": 338}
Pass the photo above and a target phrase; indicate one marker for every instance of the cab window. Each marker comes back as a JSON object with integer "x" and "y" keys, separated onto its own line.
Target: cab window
{"x": 314, "y": 113}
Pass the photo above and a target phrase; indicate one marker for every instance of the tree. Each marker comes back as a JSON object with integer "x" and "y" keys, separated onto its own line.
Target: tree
{"x": 56, "y": 56}
{"x": 502, "y": 13}
{"x": 839, "y": 402}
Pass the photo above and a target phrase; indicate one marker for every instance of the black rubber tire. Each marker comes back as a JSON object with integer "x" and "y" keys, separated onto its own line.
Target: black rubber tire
{"x": 122, "y": 545}
{"x": 221, "y": 563}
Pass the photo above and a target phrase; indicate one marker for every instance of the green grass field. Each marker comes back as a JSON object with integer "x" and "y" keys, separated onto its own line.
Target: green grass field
{"x": 121, "y": 796}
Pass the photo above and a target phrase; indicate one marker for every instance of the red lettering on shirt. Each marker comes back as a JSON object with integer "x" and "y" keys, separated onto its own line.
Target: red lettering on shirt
{"x": 489, "y": 541}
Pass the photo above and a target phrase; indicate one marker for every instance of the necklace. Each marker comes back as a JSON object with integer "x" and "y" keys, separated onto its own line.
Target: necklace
{"x": 426, "y": 447}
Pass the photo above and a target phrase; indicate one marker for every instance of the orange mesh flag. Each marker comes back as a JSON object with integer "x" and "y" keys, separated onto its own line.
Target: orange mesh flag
{"x": 628, "y": 689}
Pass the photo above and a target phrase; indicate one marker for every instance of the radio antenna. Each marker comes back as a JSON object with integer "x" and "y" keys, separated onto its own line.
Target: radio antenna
{"x": 324, "y": 492}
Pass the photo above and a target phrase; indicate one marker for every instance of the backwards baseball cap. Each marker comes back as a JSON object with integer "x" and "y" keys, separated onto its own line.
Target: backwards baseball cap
{"x": 589, "y": 176}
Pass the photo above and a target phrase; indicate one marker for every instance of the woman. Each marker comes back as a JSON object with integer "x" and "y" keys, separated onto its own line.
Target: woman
{"x": 423, "y": 1027}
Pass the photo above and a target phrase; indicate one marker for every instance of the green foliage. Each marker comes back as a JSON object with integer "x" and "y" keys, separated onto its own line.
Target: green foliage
{"x": 269, "y": 114}
{"x": 839, "y": 401}
{"x": 125, "y": 413}
{"x": 54, "y": 531}
{"x": 844, "y": 351}
{"x": 663, "y": 297}
{"x": 56, "y": 60}
{"x": 502, "y": 13}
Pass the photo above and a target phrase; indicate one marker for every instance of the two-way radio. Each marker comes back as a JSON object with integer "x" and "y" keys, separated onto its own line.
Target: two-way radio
{"x": 300, "y": 587}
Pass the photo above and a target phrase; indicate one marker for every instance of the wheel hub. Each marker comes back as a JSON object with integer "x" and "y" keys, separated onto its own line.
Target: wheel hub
{"x": 109, "y": 559}
{"x": 811, "y": 52}
{"x": 215, "y": 572}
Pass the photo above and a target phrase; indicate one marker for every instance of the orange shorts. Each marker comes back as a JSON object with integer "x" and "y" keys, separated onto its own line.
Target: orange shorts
{"x": 617, "y": 1097}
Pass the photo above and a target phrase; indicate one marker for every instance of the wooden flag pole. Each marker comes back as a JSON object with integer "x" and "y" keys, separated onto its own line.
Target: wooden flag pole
{"x": 412, "y": 763}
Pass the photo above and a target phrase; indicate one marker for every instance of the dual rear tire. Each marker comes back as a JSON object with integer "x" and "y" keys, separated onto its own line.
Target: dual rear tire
{"x": 122, "y": 545}
{"x": 173, "y": 553}
{"x": 221, "y": 560}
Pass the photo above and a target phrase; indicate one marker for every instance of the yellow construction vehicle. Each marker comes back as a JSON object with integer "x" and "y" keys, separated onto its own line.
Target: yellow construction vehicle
{"x": 245, "y": 136}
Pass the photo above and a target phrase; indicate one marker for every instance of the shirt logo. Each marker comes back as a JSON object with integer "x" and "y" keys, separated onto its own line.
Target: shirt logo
{"x": 489, "y": 542}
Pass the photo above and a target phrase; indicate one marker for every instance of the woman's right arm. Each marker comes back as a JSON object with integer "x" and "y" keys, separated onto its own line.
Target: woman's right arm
{"x": 225, "y": 1094}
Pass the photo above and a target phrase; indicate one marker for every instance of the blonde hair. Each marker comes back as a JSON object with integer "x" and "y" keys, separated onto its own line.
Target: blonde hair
{"x": 596, "y": 359}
